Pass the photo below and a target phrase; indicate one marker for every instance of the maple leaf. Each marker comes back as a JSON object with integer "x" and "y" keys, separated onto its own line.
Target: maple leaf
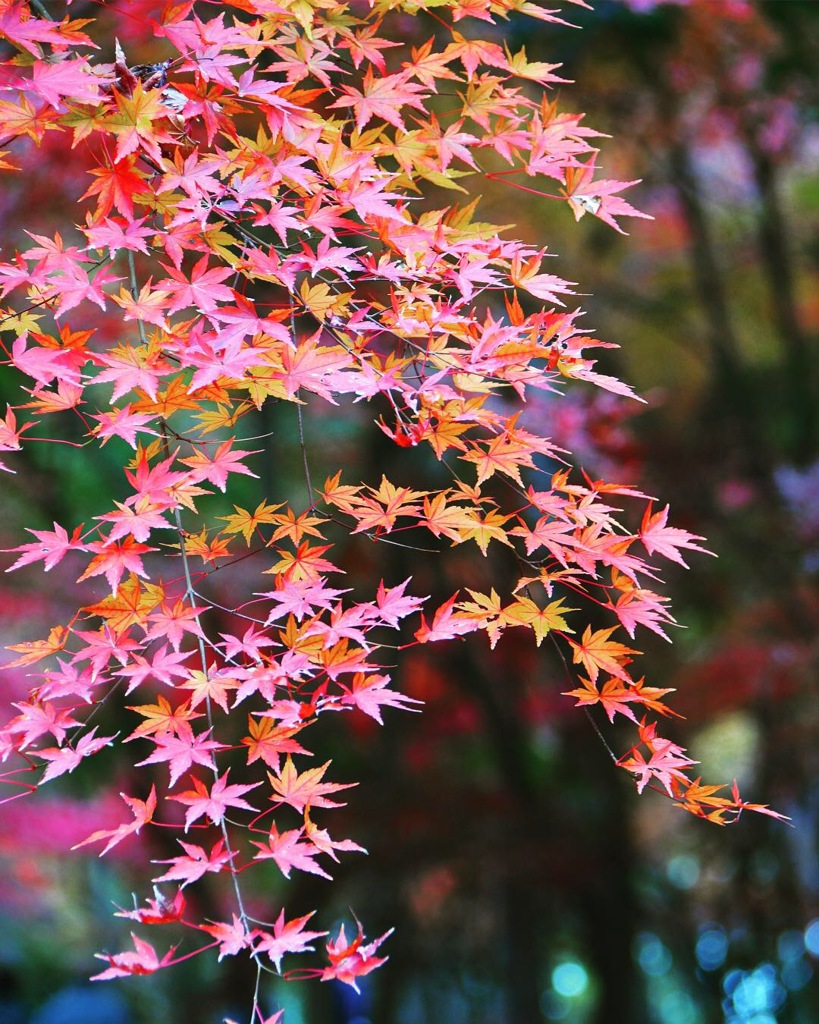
{"x": 369, "y": 693}
{"x": 51, "y": 547}
{"x": 196, "y": 863}
{"x": 232, "y": 938}
{"x": 67, "y": 758}
{"x": 614, "y": 696}
{"x": 381, "y": 508}
{"x": 116, "y": 185}
{"x": 17, "y": 25}
{"x": 149, "y": 305}
{"x": 666, "y": 540}
{"x": 446, "y": 624}
{"x": 159, "y": 910}
{"x": 133, "y": 122}
{"x": 143, "y": 812}
{"x": 286, "y": 937}
{"x": 247, "y": 523}
{"x": 122, "y": 423}
{"x": 523, "y": 274}
{"x": 489, "y": 528}
{"x": 203, "y": 291}
{"x": 637, "y": 606}
{"x": 23, "y": 118}
{"x": 320, "y": 838}
{"x": 598, "y": 197}
{"x": 143, "y": 960}
{"x": 305, "y": 563}
{"x": 136, "y": 520}
{"x": 597, "y": 652}
{"x": 114, "y": 558}
{"x": 10, "y": 436}
{"x": 162, "y": 718}
{"x": 172, "y": 622}
{"x": 289, "y": 851}
{"x": 354, "y": 959}
{"x": 295, "y": 527}
{"x": 213, "y": 685}
{"x": 267, "y": 742}
{"x": 536, "y": 71}
{"x": 305, "y": 789}
{"x": 393, "y": 604}
{"x": 164, "y": 665}
{"x": 129, "y": 606}
{"x": 383, "y": 97}
{"x": 31, "y": 651}
{"x": 542, "y": 620}
{"x": 217, "y": 468}
{"x": 182, "y": 751}
{"x": 667, "y": 761}
{"x": 741, "y": 805}
{"x": 214, "y": 803}
{"x": 443, "y": 519}
{"x": 250, "y": 645}
{"x": 37, "y": 718}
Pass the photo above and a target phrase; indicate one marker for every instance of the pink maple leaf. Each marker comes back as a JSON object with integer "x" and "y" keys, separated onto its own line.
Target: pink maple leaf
{"x": 37, "y": 718}
{"x": 163, "y": 666}
{"x": 122, "y": 423}
{"x": 216, "y": 469}
{"x": 370, "y": 693}
{"x": 182, "y": 751}
{"x": 172, "y": 622}
{"x": 202, "y": 291}
{"x": 287, "y": 937}
{"x": 68, "y": 77}
{"x": 135, "y": 520}
{"x": 65, "y": 759}
{"x": 666, "y": 540}
{"x": 289, "y": 851}
{"x": 51, "y": 547}
{"x": 143, "y": 812}
{"x": 394, "y": 605}
{"x": 232, "y": 938}
{"x": 213, "y": 804}
{"x": 196, "y": 863}
{"x": 598, "y": 197}
{"x": 143, "y": 960}
{"x": 446, "y": 624}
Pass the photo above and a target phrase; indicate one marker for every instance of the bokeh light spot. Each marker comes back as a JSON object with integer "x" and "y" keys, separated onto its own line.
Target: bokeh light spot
{"x": 712, "y": 948}
{"x": 570, "y": 979}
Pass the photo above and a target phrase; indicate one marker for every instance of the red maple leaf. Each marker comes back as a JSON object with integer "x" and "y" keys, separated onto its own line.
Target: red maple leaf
{"x": 352, "y": 960}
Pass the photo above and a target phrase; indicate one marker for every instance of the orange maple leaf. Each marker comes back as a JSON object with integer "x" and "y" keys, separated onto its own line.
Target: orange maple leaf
{"x": 596, "y": 651}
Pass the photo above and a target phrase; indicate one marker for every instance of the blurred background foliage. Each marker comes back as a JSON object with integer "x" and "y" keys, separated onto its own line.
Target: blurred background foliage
{"x": 528, "y": 881}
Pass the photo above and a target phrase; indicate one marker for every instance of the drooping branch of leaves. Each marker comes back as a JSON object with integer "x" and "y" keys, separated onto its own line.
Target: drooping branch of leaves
{"x": 266, "y": 218}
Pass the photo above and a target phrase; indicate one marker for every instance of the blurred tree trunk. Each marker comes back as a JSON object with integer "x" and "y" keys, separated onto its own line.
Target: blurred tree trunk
{"x": 777, "y": 263}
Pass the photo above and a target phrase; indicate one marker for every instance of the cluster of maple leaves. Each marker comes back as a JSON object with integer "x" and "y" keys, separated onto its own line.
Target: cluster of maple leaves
{"x": 260, "y": 207}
